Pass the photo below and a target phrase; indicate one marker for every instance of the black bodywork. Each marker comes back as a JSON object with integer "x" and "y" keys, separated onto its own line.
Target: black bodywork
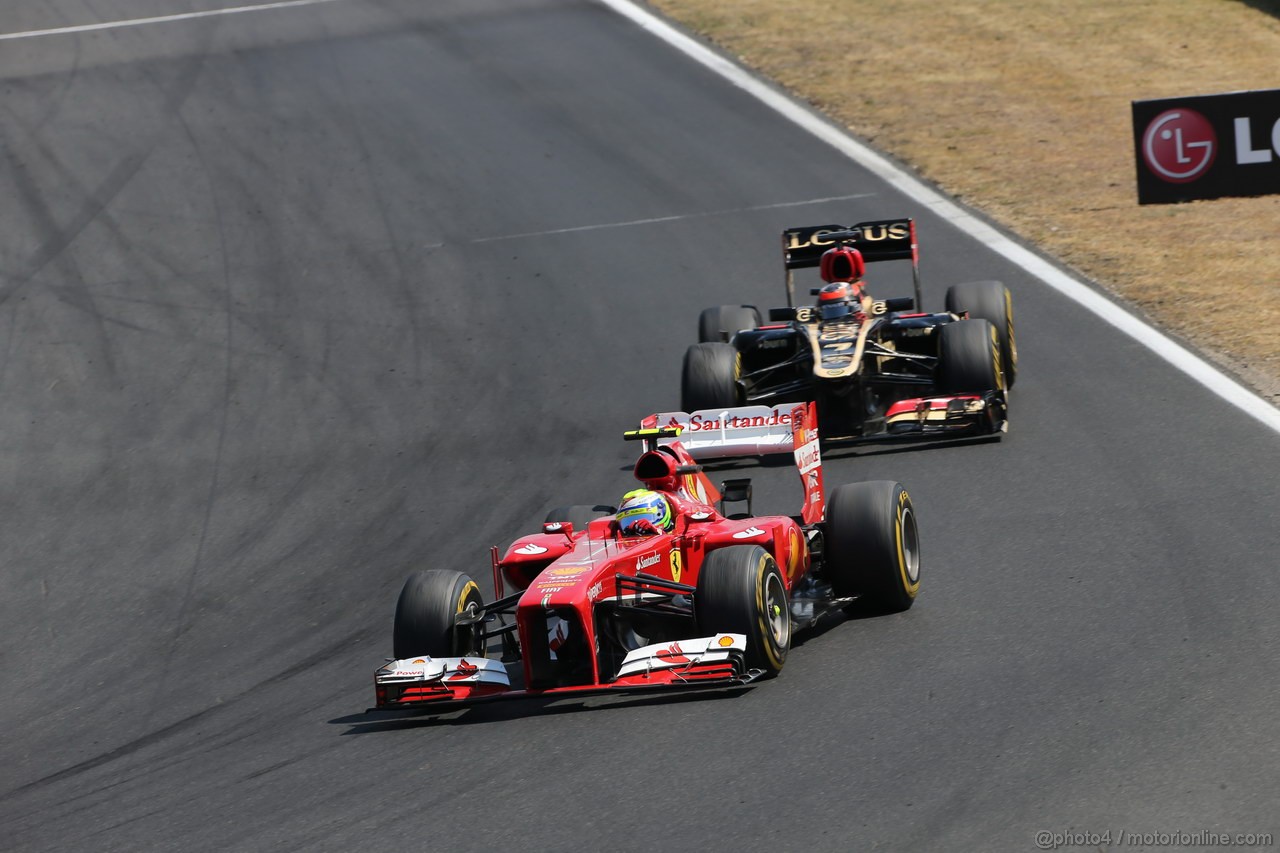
{"x": 879, "y": 373}
{"x": 899, "y": 360}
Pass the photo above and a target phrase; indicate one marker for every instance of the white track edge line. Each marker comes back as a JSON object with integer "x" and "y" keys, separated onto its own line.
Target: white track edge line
{"x": 160, "y": 19}
{"x": 1158, "y": 342}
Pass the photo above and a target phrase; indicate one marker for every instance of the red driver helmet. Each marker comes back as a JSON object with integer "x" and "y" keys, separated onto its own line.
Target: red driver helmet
{"x": 843, "y": 263}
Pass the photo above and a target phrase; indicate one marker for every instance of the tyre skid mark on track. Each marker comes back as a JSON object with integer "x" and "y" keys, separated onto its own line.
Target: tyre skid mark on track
{"x": 180, "y": 620}
{"x": 139, "y": 743}
{"x": 75, "y": 292}
{"x": 674, "y": 218}
{"x": 279, "y": 345}
{"x": 55, "y": 103}
{"x": 60, "y": 237}
{"x": 243, "y": 350}
{"x": 272, "y": 333}
{"x": 201, "y": 749}
{"x": 402, "y": 282}
{"x": 161, "y": 19}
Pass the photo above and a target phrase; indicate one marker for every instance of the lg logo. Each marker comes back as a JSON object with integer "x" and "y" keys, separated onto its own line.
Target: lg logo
{"x": 1207, "y": 146}
{"x": 1179, "y": 145}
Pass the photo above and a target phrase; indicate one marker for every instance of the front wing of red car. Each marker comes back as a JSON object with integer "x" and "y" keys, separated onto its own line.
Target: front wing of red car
{"x": 706, "y": 661}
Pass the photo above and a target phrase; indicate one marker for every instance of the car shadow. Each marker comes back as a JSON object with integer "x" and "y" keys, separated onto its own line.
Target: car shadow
{"x": 374, "y": 721}
{"x": 837, "y": 450}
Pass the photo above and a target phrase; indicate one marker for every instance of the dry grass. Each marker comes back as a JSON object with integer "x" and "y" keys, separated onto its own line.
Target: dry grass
{"x": 1021, "y": 108}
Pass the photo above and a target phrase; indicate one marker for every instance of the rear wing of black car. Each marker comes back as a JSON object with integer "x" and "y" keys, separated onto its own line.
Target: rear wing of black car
{"x": 878, "y": 240}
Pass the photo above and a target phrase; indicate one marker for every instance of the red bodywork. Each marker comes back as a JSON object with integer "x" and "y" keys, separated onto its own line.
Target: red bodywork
{"x": 586, "y": 571}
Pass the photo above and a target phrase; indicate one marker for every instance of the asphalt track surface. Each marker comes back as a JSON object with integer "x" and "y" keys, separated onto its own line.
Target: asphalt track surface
{"x": 271, "y": 338}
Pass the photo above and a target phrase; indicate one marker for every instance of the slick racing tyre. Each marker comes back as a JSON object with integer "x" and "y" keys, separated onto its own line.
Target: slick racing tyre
{"x": 871, "y": 547}
{"x": 989, "y": 300}
{"x": 741, "y": 591}
{"x": 579, "y": 515}
{"x": 969, "y": 358}
{"x": 709, "y": 379}
{"x": 720, "y": 323}
{"x": 426, "y": 616}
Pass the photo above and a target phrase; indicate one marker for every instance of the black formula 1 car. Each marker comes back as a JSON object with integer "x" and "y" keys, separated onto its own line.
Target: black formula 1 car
{"x": 879, "y": 369}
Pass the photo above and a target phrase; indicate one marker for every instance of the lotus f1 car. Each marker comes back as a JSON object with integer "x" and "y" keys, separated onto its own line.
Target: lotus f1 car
{"x": 879, "y": 369}
{"x": 710, "y": 601}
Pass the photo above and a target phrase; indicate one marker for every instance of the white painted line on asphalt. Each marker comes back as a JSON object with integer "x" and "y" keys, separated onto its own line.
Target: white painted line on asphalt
{"x": 671, "y": 218}
{"x": 162, "y": 19}
{"x": 1158, "y": 342}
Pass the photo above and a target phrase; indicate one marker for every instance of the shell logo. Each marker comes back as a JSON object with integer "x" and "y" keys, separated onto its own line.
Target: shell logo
{"x": 567, "y": 572}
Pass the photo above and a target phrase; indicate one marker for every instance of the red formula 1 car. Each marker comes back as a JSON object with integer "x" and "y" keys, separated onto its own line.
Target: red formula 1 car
{"x": 700, "y": 596}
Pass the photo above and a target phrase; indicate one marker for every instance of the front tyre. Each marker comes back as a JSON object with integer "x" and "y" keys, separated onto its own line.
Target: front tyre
{"x": 426, "y": 616}
{"x": 991, "y": 301}
{"x": 871, "y": 547}
{"x": 709, "y": 378}
{"x": 741, "y": 591}
{"x": 969, "y": 358}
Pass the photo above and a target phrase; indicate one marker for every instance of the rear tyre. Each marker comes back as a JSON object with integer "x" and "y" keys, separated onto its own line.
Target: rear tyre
{"x": 709, "y": 379}
{"x": 718, "y": 324}
{"x": 871, "y": 547}
{"x": 426, "y": 616}
{"x": 991, "y": 301}
{"x": 579, "y": 515}
{"x": 741, "y": 591}
{"x": 969, "y": 358}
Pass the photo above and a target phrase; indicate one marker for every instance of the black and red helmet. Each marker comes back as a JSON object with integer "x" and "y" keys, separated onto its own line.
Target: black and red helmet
{"x": 842, "y": 263}
{"x": 835, "y": 300}
{"x": 838, "y": 291}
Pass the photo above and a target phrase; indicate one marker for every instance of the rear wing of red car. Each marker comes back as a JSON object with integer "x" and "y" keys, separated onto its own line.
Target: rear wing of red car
{"x": 878, "y": 240}
{"x": 754, "y": 431}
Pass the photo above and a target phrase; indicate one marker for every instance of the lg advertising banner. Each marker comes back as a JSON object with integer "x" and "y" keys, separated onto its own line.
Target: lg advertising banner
{"x": 1207, "y": 146}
